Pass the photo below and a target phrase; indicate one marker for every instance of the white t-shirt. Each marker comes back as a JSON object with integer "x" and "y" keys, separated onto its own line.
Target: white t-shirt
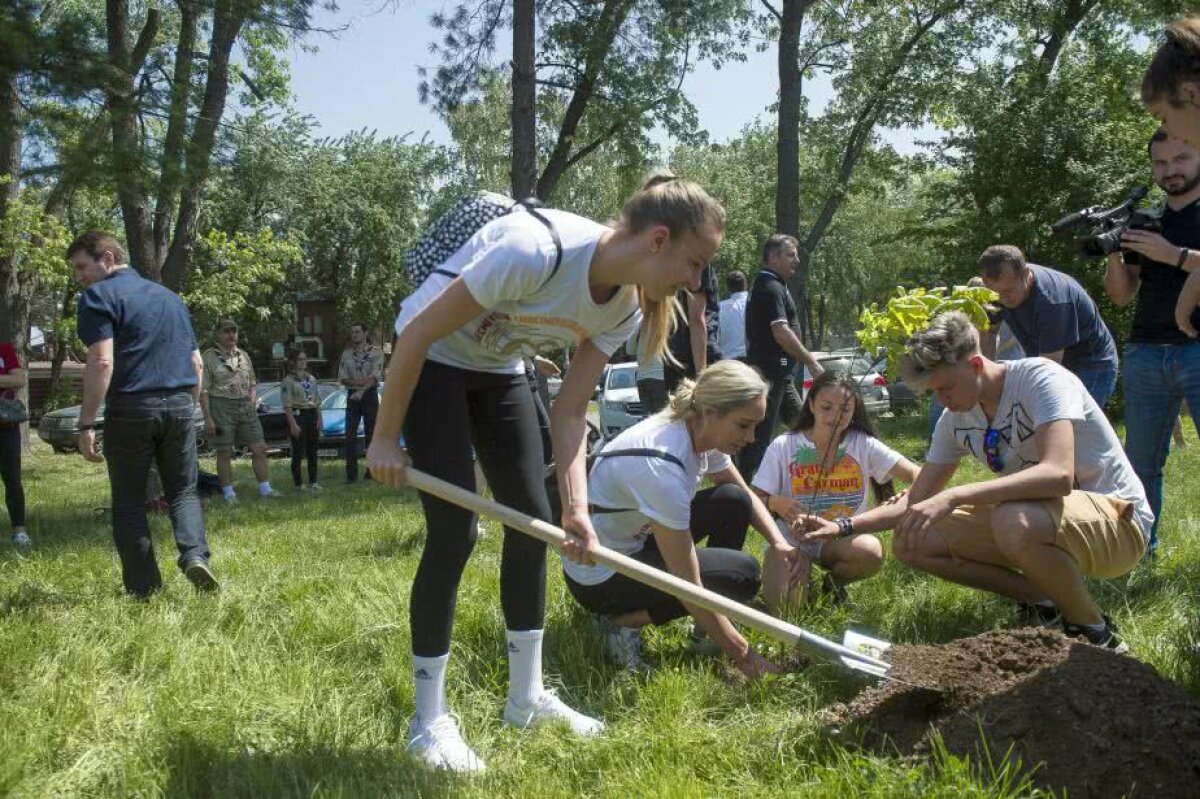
{"x": 731, "y": 334}
{"x": 1036, "y": 392}
{"x": 643, "y": 489}
{"x": 790, "y": 468}
{"x": 507, "y": 268}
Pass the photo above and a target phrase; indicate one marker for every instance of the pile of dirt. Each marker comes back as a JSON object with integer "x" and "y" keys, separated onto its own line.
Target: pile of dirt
{"x": 1081, "y": 718}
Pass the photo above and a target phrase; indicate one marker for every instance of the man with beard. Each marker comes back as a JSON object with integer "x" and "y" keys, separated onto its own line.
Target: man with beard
{"x": 1162, "y": 364}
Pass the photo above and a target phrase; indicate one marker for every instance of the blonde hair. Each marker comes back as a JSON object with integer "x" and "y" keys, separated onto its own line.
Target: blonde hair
{"x": 949, "y": 339}
{"x": 722, "y": 387}
{"x": 682, "y": 206}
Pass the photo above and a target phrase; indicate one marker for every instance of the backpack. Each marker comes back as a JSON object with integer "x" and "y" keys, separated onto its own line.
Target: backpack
{"x": 455, "y": 227}
{"x": 592, "y": 457}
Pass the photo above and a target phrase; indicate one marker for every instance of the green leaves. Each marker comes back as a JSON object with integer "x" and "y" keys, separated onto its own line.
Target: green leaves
{"x": 236, "y": 276}
{"x": 907, "y": 312}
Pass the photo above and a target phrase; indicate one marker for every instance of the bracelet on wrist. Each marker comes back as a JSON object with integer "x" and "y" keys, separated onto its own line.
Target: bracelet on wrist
{"x": 845, "y": 526}
{"x": 1184, "y": 253}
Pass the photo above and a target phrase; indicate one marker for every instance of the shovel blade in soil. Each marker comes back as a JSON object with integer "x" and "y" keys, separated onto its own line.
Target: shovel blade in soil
{"x": 871, "y": 647}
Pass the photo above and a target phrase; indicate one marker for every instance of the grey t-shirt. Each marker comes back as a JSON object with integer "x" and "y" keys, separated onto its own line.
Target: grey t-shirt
{"x": 1036, "y": 392}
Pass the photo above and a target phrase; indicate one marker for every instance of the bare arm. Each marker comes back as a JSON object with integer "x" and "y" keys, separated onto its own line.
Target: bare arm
{"x": 1121, "y": 280}
{"x": 568, "y": 435}
{"x": 1189, "y": 298}
{"x": 16, "y": 378}
{"x": 198, "y": 367}
{"x": 97, "y": 374}
{"x": 697, "y": 331}
{"x": 787, "y": 339}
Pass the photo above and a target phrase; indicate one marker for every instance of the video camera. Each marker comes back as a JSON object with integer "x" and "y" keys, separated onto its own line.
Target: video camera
{"x": 1102, "y": 228}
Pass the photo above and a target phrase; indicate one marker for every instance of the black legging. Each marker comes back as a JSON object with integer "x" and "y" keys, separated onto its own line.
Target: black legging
{"x": 451, "y": 410}
{"x": 720, "y": 514}
{"x": 10, "y": 470}
{"x": 305, "y": 444}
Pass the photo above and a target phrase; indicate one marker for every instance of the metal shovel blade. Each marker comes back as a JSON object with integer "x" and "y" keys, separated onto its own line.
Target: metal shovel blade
{"x": 874, "y": 648}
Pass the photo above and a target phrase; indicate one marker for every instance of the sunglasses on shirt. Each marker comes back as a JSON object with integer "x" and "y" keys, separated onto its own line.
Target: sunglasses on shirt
{"x": 991, "y": 450}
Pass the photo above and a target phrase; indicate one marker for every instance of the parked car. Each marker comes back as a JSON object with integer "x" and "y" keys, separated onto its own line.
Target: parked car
{"x": 903, "y": 398}
{"x": 620, "y": 405}
{"x": 553, "y": 386}
{"x": 872, "y": 384}
{"x": 271, "y": 417}
{"x": 59, "y": 428}
{"x": 332, "y": 443}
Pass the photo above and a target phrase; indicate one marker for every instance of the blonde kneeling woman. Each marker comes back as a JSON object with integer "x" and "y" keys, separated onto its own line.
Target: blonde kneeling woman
{"x": 645, "y": 504}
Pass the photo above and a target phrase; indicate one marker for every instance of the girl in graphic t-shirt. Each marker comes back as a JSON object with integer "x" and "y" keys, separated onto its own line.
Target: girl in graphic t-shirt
{"x": 456, "y": 380}
{"x": 819, "y": 473}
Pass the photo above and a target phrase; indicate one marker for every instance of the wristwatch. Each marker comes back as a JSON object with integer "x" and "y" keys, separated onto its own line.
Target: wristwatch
{"x": 1184, "y": 252}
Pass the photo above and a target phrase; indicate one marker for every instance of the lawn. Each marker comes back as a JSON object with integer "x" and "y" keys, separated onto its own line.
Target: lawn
{"x": 294, "y": 681}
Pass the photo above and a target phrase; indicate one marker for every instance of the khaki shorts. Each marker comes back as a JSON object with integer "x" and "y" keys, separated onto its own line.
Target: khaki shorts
{"x": 237, "y": 423}
{"x": 1097, "y": 530}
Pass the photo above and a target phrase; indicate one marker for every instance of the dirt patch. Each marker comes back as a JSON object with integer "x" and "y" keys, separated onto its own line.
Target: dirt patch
{"x": 1087, "y": 720}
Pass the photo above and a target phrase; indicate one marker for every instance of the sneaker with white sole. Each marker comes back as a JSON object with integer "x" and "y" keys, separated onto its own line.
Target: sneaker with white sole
{"x": 21, "y": 538}
{"x": 201, "y": 576}
{"x": 270, "y": 494}
{"x": 623, "y": 645}
{"x": 1106, "y": 637}
{"x": 1030, "y": 615}
{"x": 440, "y": 745}
{"x": 548, "y": 707}
{"x": 315, "y": 487}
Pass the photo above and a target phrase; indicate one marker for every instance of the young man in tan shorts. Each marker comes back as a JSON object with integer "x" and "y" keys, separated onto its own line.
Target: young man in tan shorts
{"x": 1065, "y": 502}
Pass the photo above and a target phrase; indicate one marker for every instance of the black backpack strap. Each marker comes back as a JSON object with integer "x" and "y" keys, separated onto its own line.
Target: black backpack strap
{"x": 639, "y": 452}
{"x": 532, "y": 205}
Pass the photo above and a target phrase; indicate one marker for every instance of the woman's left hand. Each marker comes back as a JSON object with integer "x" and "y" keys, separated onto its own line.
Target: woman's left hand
{"x": 581, "y": 541}
{"x": 815, "y": 528}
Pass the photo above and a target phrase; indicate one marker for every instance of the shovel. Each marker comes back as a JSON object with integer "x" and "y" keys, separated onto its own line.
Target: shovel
{"x": 858, "y": 652}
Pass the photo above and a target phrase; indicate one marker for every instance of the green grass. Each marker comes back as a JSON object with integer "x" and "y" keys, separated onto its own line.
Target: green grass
{"x": 294, "y": 681}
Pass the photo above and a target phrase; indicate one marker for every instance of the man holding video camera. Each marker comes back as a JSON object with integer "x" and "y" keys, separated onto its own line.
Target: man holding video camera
{"x": 1162, "y": 364}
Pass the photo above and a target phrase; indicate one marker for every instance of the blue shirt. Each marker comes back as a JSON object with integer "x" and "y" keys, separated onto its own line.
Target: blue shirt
{"x": 151, "y": 330}
{"x": 1059, "y": 315}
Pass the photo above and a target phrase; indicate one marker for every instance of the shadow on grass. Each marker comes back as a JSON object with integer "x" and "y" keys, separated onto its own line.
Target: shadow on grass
{"x": 198, "y": 768}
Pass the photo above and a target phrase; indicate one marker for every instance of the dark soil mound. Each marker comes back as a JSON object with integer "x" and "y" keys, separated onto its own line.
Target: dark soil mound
{"x": 1085, "y": 719}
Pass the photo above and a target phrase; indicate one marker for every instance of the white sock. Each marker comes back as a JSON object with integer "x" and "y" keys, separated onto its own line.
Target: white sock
{"x": 524, "y": 666}
{"x": 429, "y": 677}
{"x": 1096, "y": 628}
{"x": 264, "y": 488}
{"x": 227, "y": 492}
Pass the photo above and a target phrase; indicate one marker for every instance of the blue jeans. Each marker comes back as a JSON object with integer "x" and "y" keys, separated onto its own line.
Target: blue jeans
{"x": 139, "y": 428}
{"x": 1100, "y": 382}
{"x": 1158, "y": 377}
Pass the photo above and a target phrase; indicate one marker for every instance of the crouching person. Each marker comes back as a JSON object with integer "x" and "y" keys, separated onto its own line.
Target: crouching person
{"x": 645, "y": 504}
{"x": 1065, "y": 503}
{"x": 814, "y": 479}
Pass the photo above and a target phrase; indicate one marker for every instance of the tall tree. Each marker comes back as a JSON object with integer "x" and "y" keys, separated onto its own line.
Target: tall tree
{"x": 524, "y": 100}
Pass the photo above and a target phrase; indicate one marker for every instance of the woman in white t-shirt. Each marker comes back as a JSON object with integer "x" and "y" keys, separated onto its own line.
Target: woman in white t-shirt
{"x": 821, "y": 470}
{"x": 645, "y": 505}
{"x": 525, "y": 282}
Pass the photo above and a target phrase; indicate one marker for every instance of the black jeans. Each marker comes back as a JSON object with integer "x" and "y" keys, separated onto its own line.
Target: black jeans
{"x": 721, "y": 515}
{"x": 653, "y": 394}
{"x": 10, "y": 470}
{"x": 305, "y": 444}
{"x": 452, "y": 410}
{"x": 365, "y": 409}
{"x": 752, "y": 454}
{"x": 153, "y": 426}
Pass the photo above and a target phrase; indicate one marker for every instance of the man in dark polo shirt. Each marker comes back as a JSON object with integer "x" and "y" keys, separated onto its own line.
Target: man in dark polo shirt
{"x": 1052, "y": 316}
{"x": 1162, "y": 364}
{"x": 143, "y": 363}
{"x": 773, "y": 343}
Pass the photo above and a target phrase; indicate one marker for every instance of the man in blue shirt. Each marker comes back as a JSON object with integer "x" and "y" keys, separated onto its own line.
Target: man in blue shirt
{"x": 1053, "y": 317}
{"x": 143, "y": 362}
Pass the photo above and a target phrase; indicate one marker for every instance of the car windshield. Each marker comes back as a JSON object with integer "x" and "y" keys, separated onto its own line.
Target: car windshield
{"x": 856, "y": 366}
{"x": 622, "y": 378}
{"x": 270, "y": 399}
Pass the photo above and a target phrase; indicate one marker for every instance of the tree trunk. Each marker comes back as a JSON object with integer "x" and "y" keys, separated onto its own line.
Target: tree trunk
{"x": 787, "y": 147}
{"x": 227, "y": 24}
{"x": 14, "y": 298}
{"x": 171, "y": 166}
{"x": 524, "y": 107}
{"x": 61, "y": 347}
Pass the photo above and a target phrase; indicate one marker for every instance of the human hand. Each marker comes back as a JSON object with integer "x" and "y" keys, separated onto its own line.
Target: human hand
{"x": 581, "y": 541}
{"x": 86, "y": 442}
{"x": 293, "y": 428}
{"x": 899, "y": 496}
{"x": 1152, "y": 245}
{"x": 210, "y": 427}
{"x": 815, "y": 528}
{"x": 915, "y": 525}
{"x": 1189, "y": 298}
{"x": 753, "y": 665}
{"x": 388, "y": 462}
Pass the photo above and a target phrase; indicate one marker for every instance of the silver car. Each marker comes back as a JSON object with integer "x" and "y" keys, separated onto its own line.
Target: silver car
{"x": 620, "y": 405}
{"x": 872, "y": 385}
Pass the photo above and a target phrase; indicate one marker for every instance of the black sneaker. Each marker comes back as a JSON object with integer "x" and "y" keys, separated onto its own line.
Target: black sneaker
{"x": 1106, "y": 638}
{"x": 1038, "y": 616}
{"x": 201, "y": 576}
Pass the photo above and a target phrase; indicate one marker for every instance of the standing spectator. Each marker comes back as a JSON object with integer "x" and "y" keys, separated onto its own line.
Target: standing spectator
{"x": 12, "y": 379}
{"x": 361, "y": 372}
{"x": 1162, "y": 364}
{"x": 732, "y": 329}
{"x": 773, "y": 345}
{"x": 229, "y": 404}
{"x": 1171, "y": 86}
{"x": 1053, "y": 317}
{"x": 302, "y": 408}
{"x": 694, "y": 345}
{"x": 143, "y": 362}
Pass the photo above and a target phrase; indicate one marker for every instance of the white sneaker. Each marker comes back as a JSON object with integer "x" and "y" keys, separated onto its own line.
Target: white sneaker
{"x": 231, "y": 500}
{"x": 316, "y": 487}
{"x": 21, "y": 538}
{"x": 623, "y": 645}
{"x": 269, "y": 494}
{"x": 548, "y": 707}
{"x": 440, "y": 745}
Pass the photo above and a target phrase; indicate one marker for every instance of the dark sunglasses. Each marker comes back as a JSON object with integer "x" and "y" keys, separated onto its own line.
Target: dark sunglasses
{"x": 991, "y": 450}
